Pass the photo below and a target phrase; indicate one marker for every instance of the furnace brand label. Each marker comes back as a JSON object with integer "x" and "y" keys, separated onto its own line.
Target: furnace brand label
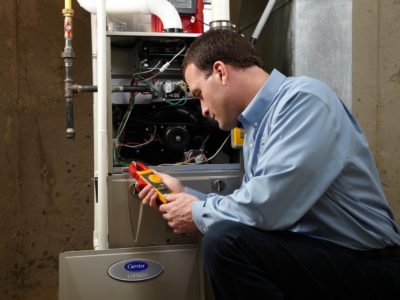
{"x": 135, "y": 270}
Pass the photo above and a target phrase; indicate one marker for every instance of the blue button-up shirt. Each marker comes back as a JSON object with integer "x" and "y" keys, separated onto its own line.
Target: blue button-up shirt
{"x": 308, "y": 169}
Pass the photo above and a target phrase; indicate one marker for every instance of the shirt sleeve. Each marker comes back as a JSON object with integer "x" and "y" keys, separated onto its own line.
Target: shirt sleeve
{"x": 292, "y": 170}
{"x": 198, "y": 194}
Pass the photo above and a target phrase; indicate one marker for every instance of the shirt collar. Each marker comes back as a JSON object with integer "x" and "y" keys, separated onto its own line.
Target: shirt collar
{"x": 257, "y": 108}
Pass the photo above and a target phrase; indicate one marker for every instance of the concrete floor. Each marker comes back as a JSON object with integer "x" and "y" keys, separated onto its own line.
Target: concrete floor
{"x": 46, "y": 204}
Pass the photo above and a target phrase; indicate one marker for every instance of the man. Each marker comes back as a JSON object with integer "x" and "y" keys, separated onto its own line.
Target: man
{"x": 310, "y": 220}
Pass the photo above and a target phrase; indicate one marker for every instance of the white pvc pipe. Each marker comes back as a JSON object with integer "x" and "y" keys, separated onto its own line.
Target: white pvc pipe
{"x": 163, "y": 9}
{"x": 220, "y": 10}
{"x": 93, "y": 21}
{"x": 102, "y": 141}
{"x": 263, "y": 19}
{"x": 167, "y": 13}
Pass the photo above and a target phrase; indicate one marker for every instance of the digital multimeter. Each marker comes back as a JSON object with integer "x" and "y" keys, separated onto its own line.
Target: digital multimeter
{"x": 145, "y": 176}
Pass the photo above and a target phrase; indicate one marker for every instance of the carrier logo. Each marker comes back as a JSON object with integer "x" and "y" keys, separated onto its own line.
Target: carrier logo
{"x": 136, "y": 266}
{"x": 135, "y": 270}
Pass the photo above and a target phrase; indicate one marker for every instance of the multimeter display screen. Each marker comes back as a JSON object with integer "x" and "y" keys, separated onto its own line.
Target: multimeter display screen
{"x": 156, "y": 182}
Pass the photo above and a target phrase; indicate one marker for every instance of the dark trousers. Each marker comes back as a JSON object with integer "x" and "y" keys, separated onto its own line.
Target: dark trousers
{"x": 247, "y": 263}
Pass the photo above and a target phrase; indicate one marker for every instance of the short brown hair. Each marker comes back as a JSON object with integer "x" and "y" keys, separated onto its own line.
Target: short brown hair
{"x": 221, "y": 44}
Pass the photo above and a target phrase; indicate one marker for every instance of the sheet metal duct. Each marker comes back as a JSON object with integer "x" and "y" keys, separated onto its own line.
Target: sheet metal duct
{"x": 321, "y": 43}
{"x": 306, "y": 37}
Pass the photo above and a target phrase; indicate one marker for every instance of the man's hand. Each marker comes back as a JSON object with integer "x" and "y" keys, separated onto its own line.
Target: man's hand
{"x": 149, "y": 196}
{"x": 178, "y": 212}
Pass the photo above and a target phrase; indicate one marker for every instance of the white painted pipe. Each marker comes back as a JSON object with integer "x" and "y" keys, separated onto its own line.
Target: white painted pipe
{"x": 102, "y": 140}
{"x": 163, "y": 9}
{"x": 167, "y": 13}
{"x": 93, "y": 21}
{"x": 220, "y": 10}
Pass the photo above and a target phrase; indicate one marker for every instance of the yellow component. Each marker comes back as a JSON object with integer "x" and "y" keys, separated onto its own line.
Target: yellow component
{"x": 237, "y": 137}
{"x": 68, "y": 4}
{"x": 155, "y": 178}
{"x": 68, "y": 11}
{"x": 155, "y": 181}
{"x": 145, "y": 172}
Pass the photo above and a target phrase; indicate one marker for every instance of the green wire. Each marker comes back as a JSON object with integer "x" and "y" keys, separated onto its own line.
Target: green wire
{"x": 121, "y": 128}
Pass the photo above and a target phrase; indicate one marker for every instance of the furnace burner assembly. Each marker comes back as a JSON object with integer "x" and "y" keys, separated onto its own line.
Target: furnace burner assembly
{"x": 163, "y": 125}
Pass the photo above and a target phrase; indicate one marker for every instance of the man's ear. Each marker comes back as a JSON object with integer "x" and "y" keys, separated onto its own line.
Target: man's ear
{"x": 220, "y": 71}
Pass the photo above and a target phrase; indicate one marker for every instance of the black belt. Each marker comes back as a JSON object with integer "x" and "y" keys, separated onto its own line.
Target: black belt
{"x": 385, "y": 252}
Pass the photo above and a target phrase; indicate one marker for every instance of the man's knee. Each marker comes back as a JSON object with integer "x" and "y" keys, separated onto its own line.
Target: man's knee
{"x": 223, "y": 231}
{"x": 220, "y": 240}
{"x": 231, "y": 263}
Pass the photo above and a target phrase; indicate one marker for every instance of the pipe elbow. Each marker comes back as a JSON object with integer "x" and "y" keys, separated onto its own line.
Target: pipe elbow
{"x": 116, "y": 6}
{"x": 167, "y": 13}
{"x": 88, "y": 5}
{"x": 161, "y": 8}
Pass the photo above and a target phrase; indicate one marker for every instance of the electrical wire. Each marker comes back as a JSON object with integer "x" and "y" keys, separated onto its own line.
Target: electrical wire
{"x": 166, "y": 65}
{"x": 217, "y": 152}
{"x": 148, "y": 71}
{"x": 121, "y": 129}
{"x": 194, "y": 19}
{"x": 177, "y": 102}
{"x": 204, "y": 143}
{"x": 151, "y": 139}
{"x": 176, "y": 55}
{"x": 153, "y": 88}
{"x": 125, "y": 119}
{"x": 203, "y": 161}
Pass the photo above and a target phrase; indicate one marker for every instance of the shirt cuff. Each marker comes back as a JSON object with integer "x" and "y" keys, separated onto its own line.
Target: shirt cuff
{"x": 198, "y": 210}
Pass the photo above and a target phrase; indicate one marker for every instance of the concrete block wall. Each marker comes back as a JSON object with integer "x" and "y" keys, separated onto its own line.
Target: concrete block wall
{"x": 46, "y": 198}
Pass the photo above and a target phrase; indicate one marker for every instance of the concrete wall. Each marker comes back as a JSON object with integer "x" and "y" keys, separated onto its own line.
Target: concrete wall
{"x": 46, "y": 189}
{"x": 46, "y": 201}
{"x": 376, "y": 86}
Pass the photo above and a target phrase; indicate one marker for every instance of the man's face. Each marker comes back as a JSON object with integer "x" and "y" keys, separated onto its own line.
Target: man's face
{"x": 213, "y": 95}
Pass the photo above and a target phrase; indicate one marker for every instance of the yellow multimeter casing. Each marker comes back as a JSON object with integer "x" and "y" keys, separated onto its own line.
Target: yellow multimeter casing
{"x": 155, "y": 181}
{"x": 237, "y": 137}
